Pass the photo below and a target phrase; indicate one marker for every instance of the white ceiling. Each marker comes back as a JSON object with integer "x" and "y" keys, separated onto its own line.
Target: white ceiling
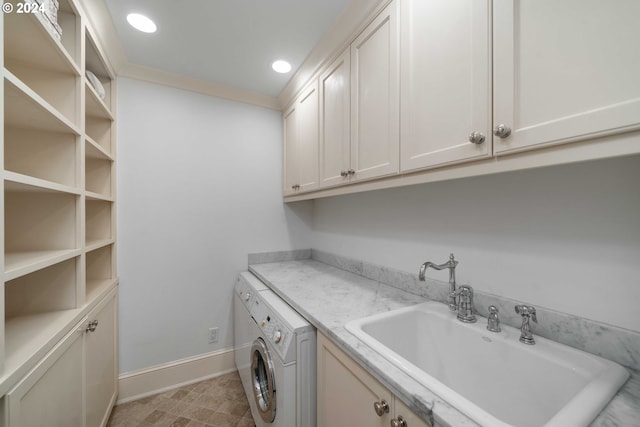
{"x": 228, "y": 42}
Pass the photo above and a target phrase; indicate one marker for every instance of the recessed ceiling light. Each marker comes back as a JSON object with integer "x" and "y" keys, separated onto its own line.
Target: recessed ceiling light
{"x": 281, "y": 66}
{"x": 141, "y": 23}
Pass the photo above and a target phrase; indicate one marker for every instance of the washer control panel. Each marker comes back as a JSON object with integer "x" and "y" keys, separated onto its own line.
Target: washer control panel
{"x": 245, "y": 293}
{"x": 247, "y": 288}
{"x": 275, "y": 331}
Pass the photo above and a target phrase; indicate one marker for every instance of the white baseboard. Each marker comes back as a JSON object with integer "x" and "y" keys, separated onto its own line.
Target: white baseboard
{"x": 160, "y": 378}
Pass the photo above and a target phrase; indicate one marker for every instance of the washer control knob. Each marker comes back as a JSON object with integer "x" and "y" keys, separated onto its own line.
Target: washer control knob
{"x": 277, "y": 336}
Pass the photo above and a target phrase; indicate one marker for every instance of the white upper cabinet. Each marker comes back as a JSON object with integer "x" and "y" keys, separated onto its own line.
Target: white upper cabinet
{"x": 446, "y": 82}
{"x": 442, "y": 89}
{"x": 565, "y": 71}
{"x": 290, "y": 128}
{"x": 375, "y": 98}
{"x": 335, "y": 92}
{"x": 308, "y": 139}
{"x": 301, "y": 142}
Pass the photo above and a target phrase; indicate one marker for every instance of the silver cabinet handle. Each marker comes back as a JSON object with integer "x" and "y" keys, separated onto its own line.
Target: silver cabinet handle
{"x": 381, "y": 407}
{"x": 476, "y": 137}
{"x": 91, "y": 327}
{"x": 502, "y": 131}
{"x": 399, "y": 422}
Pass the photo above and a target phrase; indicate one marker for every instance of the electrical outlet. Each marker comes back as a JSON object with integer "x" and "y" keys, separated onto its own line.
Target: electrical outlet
{"x": 213, "y": 335}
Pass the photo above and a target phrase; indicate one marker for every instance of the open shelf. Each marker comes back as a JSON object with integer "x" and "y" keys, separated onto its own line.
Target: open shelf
{"x": 41, "y": 154}
{"x": 25, "y": 109}
{"x": 95, "y": 106}
{"x": 28, "y": 184}
{"x": 58, "y": 89}
{"x": 43, "y": 61}
{"x": 95, "y": 196}
{"x": 99, "y": 271}
{"x": 98, "y": 221}
{"x": 98, "y": 176}
{"x": 27, "y": 40}
{"x": 95, "y": 64}
{"x": 40, "y": 228}
{"x": 49, "y": 289}
{"x": 99, "y": 130}
{"x": 93, "y": 150}
{"x": 18, "y": 264}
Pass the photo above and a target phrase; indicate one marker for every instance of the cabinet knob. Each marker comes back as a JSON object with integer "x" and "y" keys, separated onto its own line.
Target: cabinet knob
{"x": 91, "y": 327}
{"x": 502, "y": 131}
{"x": 295, "y": 187}
{"x": 399, "y": 422}
{"x": 344, "y": 173}
{"x": 476, "y": 137}
{"x": 351, "y": 172}
{"x": 381, "y": 407}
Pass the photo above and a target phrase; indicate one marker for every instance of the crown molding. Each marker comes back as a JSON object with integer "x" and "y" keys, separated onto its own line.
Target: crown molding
{"x": 205, "y": 87}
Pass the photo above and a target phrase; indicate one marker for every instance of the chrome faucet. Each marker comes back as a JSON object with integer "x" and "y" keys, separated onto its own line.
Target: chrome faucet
{"x": 459, "y": 299}
{"x": 527, "y": 312}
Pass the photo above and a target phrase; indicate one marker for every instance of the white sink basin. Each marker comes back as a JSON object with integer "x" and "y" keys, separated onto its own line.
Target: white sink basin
{"x": 492, "y": 377}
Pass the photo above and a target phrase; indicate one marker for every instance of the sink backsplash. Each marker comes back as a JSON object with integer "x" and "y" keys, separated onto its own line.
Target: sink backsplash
{"x": 613, "y": 343}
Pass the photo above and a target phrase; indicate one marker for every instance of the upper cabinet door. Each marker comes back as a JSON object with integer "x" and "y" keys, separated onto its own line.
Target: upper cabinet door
{"x": 565, "y": 70}
{"x": 375, "y": 103}
{"x": 335, "y": 90}
{"x": 290, "y": 128}
{"x": 446, "y": 82}
{"x": 308, "y": 138}
{"x": 300, "y": 124}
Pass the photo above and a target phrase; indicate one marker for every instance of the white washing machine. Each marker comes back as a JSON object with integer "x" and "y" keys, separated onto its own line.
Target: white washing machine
{"x": 275, "y": 353}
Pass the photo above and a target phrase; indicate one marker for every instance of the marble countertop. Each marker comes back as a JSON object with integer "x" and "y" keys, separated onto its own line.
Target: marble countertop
{"x": 329, "y": 297}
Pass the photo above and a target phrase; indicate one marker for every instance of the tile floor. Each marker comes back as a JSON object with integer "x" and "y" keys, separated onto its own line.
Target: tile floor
{"x": 218, "y": 401}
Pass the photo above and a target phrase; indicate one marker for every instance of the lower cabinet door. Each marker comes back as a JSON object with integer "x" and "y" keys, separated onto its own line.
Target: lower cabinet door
{"x": 346, "y": 393}
{"x": 52, "y": 393}
{"x": 101, "y": 375}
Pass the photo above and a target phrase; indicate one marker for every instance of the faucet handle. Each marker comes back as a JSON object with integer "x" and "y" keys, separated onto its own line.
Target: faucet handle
{"x": 493, "y": 321}
{"x": 465, "y": 304}
{"x": 526, "y": 311}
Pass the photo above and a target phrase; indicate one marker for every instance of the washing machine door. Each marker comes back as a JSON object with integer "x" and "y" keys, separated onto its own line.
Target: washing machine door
{"x": 263, "y": 378}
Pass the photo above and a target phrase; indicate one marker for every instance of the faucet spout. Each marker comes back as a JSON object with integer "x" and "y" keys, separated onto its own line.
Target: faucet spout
{"x": 451, "y": 265}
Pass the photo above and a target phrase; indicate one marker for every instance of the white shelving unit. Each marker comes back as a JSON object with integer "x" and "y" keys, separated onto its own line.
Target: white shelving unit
{"x": 58, "y": 188}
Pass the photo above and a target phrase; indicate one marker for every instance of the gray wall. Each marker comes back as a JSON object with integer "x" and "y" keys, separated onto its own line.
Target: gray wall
{"x": 198, "y": 188}
{"x": 565, "y": 238}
